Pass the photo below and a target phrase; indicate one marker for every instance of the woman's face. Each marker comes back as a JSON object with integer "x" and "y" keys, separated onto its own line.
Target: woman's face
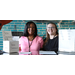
{"x": 51, "y": 29}
{"x": 31, "y": 29}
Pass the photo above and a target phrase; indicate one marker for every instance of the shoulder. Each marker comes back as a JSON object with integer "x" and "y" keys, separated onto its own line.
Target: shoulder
{"x": 22, "y": 37}
{"x": 38, "y": 37}
{"x": 55, "y": 39}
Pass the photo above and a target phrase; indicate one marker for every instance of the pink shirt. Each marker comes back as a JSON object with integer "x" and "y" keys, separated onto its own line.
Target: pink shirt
{"x": 37, "y": 43}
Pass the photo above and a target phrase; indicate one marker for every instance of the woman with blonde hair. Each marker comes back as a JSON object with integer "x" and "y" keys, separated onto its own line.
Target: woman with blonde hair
{"x": 51, "y": 42}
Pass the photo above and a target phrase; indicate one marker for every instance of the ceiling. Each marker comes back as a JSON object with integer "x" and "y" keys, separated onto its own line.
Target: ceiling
{"x": 45, "y": 21}
{"x": 54, "y": 21}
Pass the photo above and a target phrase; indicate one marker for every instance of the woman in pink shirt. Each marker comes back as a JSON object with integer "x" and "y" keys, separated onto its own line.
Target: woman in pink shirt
{"x": 30, "y": 41}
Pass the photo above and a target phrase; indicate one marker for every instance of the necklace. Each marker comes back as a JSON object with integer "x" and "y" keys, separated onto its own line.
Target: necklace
{"x": 30, "y": 38}
{"x": 29, "y": 43}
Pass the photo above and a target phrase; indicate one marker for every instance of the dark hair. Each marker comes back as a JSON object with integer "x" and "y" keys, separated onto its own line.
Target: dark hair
{"x": 48, "y": 34}
{"x": 25, "y": 33}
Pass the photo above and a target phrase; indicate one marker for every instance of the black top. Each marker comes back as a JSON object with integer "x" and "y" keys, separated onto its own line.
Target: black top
{"x": 52, "y": 45}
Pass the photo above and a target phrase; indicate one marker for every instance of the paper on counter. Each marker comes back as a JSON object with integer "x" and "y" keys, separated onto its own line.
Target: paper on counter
{"x": 15, "y": 38}
{"x": 11, "y": 46}
{"x": 67, "y": 40}
{"x": 24, "y": 52}
{"x": 7, "y": 35}
{"x": 47, "y": 52}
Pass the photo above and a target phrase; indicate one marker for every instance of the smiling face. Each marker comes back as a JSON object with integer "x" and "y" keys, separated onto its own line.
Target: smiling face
{"x": 31, "y": 29}
{"x": 51, "y": 29}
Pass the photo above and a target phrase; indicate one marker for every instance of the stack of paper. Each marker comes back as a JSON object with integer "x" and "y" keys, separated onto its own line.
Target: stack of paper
{"x": 9, "y": 45}
{"x": 67, "y": 40}
{"x": 47, "y": 52}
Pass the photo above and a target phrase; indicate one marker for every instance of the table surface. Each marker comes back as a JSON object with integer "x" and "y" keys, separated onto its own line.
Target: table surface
{"x": 40, "y": 52}
{"x": 65, "y": 53}
{"x": 43, "y": 53}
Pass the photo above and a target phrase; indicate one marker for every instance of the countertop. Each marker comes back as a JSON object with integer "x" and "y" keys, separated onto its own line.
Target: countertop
{"x": 40, "y": 52}
{"x": 65, "y": 53}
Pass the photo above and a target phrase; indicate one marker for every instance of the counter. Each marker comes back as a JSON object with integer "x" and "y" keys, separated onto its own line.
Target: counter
{"x": 40, "y": 52}
{"x": 66, "y": 53}
{"x": 43, "y": 53}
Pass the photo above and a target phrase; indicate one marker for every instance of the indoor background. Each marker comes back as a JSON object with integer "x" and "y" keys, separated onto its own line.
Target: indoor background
{"x": 18, "y": 26}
